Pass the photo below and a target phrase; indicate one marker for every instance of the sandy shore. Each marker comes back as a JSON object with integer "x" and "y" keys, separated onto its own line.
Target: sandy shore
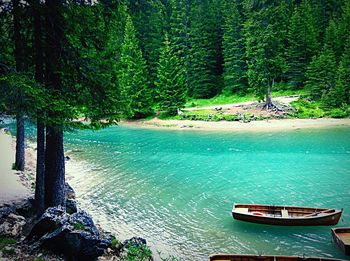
{"x": 13, "y": 184}
{"x": 253, "y": 126}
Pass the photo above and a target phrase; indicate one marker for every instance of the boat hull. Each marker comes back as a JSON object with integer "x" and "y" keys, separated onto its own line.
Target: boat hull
{"x": 301, "y": 219}
{"x": 336, "y": 234}
{"x": 237, "y": 257}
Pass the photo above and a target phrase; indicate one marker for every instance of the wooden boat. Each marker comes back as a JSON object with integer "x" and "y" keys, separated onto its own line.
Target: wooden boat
{"x": 341, "y": 236}
{"x": 234, "y": 257}
{"x": 286, "y": 215}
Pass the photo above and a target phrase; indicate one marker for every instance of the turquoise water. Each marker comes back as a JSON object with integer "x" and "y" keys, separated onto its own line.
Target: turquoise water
{"x": 176, "y": 188}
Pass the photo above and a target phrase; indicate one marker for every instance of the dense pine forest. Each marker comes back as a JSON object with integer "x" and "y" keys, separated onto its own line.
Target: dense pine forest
{"x": 62, "y": 61}
{"x": 155, "y": 55}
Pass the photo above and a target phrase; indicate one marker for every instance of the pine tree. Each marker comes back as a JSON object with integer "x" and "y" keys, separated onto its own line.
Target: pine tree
{"x": 132, "y": 74}
{"x": 264, "y": 45}
{"x": 179, "y": 33}
{"x": 156, "y": 26}
{"x": 303, "y": 35}
{"x": 202, "y": 82}
{"x": 321, "y": 74}
{"x": 171, "y": 80}
{"x": 340, "y": 93}
{"x": 234, "y": 52}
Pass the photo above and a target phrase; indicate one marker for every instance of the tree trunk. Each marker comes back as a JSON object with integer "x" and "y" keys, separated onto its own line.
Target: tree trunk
{"x": 19, "y": 57}
{"x": 39, "y": 77}
{"x": 54, "y": 167}
{"x": 40, "y": 169}
{"x": 269, "y": 104}
{"x": 20, "y": 158}
{"x": 54, "y": 154}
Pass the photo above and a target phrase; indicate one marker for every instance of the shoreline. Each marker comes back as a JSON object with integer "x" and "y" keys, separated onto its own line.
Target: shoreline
{"x": 235, "y": 126}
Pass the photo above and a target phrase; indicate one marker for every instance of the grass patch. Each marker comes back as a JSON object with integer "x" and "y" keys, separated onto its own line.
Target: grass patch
{"x": 115, "y": 242}
{"x": 138, "y": 253}
{"x": 287, "y": 93}
{"x": 315, "y": 109}
{"x": 219, "y": 100}
{"x": 78, "y": 226}
{"x": 6, "y": 241}
{"x": 235, "y": 98}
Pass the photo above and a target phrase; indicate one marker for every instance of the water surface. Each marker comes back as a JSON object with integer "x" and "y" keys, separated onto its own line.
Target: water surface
{"x": 176, "y": 189}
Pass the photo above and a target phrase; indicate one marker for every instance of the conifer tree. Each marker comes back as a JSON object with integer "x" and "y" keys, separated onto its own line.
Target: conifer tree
{"x": 202, "y": 65}
{"x": 321, "y": 74}
{"x": 132, "y": 74}
{"x": 171, "y": 80}
{"x": 339, "y": 95}
{"x": 179, "y": 33}
{"x": 234, "y": 52}
{"x": 303, "y": 42}
{"x": 264, "y": 46}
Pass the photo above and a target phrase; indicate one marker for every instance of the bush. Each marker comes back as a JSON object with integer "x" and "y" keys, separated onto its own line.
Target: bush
{"x": 338, "y": 113}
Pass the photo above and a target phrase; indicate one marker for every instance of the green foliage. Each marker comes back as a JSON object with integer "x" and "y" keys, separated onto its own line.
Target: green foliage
{"x": 219, "y": 100}
{"x": 202, "y": 79}
{"x": 132, "y": 74}
{"x": 307, "y": 109}
{"x": 264, "y": 46}
{"x": 78, "y": 226}
{"x": 234, "y": 50}
{"x": 321, "y": 74}
{"x": 115, "y": 242}
{"x": 138, "y": 253}
{"x": 6, "y": 241}
{"x": 171, "y": 80}
{"x": 303, "y": 42}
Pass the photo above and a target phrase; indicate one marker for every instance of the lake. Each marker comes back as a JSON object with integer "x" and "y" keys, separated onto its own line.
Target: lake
{"x": 176, "y": 188}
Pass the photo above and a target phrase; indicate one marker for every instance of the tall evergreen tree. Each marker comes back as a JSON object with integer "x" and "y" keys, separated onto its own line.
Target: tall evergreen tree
{"x": 303, "y": 44}
{"x": 132, "y": 74}
{"x": 19, "y": 52}
{"x": 321, "y": 74}
{"x": 234, "y": 52}
{"x": 171, "y": 80}
{"x": 264, "y": 46}
{"x": 201, "y": 76}
{"x": 340, "y": 93}
{"x": 179, "y": 33}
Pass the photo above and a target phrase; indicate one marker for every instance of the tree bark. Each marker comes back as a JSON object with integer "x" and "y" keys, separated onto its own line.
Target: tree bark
{"x": 268, "y": 104}
{"x": 39, "y": 77}
{"x": 19, "y": 57}
{"x": 54, "y": 154}
{"x": 54, "y": 167}
{"x": 20, "y": 153}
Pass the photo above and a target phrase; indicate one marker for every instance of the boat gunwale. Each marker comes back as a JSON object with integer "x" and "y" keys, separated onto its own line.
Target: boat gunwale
{"x": 336, "y": 212}
{"x": 336, "y": 234}
{"x": 270, "y": 256}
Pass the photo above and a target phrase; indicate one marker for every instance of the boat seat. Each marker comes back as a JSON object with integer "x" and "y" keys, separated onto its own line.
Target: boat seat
{"x": 241, "y": 210}
{"x": 284, "y": 213}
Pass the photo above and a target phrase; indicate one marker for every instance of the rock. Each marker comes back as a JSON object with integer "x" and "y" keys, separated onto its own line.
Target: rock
{"x": 70, "y": 193}
{"x": 12, "y": 225}
{"x": 66, "y": 158}
{"x": 75, "y": 236}
{"x": 138, "y": 242}
{"x": 71, "y": 206}
{"x": 52, "y": 219}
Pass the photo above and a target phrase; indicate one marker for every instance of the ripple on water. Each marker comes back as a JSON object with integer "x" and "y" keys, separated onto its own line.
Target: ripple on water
{"x": 177, "y": 189}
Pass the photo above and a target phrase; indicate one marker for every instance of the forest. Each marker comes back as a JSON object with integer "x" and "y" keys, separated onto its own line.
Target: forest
{"x": 62, "y": 61}
{"x": 80, "y": 64}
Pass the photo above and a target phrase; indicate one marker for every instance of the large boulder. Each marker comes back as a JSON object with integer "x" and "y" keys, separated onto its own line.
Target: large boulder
{"x": 75, "y": 236}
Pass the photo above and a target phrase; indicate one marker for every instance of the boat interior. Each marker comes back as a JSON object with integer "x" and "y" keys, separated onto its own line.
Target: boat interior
{"x": 280, "y": 211}
{"x": 344, "y": 235}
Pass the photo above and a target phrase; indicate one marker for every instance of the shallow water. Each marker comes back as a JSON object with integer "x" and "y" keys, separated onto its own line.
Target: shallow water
{"x": 176, "y": 188}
